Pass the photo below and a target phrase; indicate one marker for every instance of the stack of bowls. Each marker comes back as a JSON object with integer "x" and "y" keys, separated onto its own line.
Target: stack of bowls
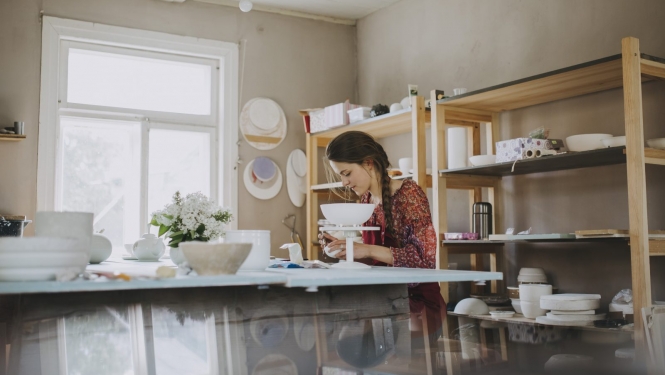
{"x": 41, "y": 258}
{"x": 530, "y": 299}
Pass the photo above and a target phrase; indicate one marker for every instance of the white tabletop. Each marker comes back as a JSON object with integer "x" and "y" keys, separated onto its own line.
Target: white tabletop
{"x": 143, "y": 273}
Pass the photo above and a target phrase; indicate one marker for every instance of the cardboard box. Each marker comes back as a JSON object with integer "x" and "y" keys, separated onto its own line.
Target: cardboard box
{"x": 515, "y": 149}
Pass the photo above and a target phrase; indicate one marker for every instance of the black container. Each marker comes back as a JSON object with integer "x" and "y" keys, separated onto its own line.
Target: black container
{"x": 482, "y": 220}
{"x": 12, "y": 226}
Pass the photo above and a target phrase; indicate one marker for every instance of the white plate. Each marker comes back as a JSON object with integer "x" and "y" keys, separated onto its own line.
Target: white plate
{"x": 262, "y": 117}
{"x": 259, "y": 189}
{"x": 44, "y": 259}
{"x": 294, "y": 181}
{"x": 39, "y": 244}
{"x": 35, "y": 274}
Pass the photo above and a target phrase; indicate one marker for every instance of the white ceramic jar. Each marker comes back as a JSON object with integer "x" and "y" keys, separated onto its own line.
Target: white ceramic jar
{"x": 259, "y": 256}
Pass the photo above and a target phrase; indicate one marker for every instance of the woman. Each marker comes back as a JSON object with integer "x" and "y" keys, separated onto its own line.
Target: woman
{"x": 407, "y": 237}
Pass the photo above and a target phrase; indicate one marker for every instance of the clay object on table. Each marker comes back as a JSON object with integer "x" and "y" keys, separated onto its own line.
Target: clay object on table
{"x": 100, "y": 248}
{"x": 149, "y": 248}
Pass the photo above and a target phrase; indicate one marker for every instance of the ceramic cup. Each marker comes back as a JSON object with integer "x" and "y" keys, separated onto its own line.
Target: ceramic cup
{"x": 405, "y": 165}
{"x": 65, "y": 225}
{"x": 259, "y": 257}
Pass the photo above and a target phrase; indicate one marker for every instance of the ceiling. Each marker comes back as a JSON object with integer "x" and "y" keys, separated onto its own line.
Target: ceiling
{"x": 338, "y": 11}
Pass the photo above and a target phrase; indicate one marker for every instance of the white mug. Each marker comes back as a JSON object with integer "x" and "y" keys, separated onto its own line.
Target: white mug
{"x": 405, "y": 165}
{"x": 259, "y": 257}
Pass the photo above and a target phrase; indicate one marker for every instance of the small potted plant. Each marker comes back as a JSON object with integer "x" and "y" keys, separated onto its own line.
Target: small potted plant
{"x": 192, "y": 218}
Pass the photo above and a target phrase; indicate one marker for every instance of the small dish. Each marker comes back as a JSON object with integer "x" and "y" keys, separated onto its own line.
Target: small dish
{"x": 502, "y": 314}
{"x": 478, "y": 160}
{"x": 658, "y": 143}
{"x": 614, "y": 141}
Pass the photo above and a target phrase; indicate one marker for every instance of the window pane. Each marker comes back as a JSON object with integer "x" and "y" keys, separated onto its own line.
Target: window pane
{"x": 184, "y": 342}
{"x": 125, "y": 81}
{"x": 178, "y": 161}
{"x": 99, "y": 343}
{"x": 100, "y": 174}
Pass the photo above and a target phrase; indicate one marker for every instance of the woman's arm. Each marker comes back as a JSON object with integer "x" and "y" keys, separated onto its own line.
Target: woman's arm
{"x": 363, "y": 251}
{"x": 417, "y": 234}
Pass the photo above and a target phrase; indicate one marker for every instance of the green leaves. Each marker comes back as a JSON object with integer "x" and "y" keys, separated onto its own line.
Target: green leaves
{"x": 162, "y": 229}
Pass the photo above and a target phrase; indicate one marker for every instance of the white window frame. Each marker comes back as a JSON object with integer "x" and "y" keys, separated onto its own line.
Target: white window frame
{"x": 57, "y": 32}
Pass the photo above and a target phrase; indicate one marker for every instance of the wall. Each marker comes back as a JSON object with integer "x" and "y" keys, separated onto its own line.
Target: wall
{"x": 288, "y": 59}
{"x": 443, "y": 44}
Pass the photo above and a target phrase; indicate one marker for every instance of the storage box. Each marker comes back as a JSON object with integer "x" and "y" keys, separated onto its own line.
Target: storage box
{"x": 358, "y": 114}
{"x": 515, "y": 149}
{"x": 336, "y": 114}
{"x": 317, "y": 121}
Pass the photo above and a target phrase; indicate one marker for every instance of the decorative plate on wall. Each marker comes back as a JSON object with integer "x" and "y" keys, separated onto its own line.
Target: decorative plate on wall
{"x": 296, "y": 177}
{"x": 262, "y": 123}
{"x": 262, "y": 178}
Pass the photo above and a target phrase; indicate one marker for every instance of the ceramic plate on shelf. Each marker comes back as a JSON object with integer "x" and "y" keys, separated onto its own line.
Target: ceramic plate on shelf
{"x": 262, "y": 178}
{"x": 262, "y": 123}
{"x": 296, "y": 174}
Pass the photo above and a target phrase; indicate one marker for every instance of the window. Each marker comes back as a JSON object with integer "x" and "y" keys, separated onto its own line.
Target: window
{"x": 128, "y": 117}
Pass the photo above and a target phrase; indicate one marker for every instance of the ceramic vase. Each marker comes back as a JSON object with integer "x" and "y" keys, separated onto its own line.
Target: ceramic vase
{"x": 177, "y": 257}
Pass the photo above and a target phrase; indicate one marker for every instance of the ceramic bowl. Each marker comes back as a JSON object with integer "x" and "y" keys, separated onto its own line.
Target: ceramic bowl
{"x": 532, "y": 279}
{"x": 215, "y": 258}
{"x": 478, "y": 160}
{"x": 614, "y": 141}
{"x": 658, "y": 143}
{"x": 40, "y": 244}
{"x": 516, "y": 305}
{"x": 100, "y": 248}
{"x": 531, "y": 271}
{"x": 531, "y": 310}
{"x": 533, "y": 292}
{"x": 586, "y": 142}
{"x": 259, "y": 257}
{"x": 472, "y": 306}
{"x": 347, "y": 213}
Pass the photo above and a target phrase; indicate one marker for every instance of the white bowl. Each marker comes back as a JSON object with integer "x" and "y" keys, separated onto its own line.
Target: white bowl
{"x": 100, "y": 248}
{"x": 502, "y": 314}
{"x": 614, "y": 141}
{"x": 472, "y": 306}
{"x": 347, "y": 213}
{"x": 77, "y": 259}
{"x": 478, "y": 160}
{"x": 259, "y": 257}
{"x": 529, "y": 279}
{"x": 658, "y": 143}
{"x": 215, "y": 258}
{"x": 531, "y": 310}
{"x": 531, "y": 271}
{"x": 516, "y": 305}
{"x": 586, "y": 142}
{"x": 533, "y": 292}
{"x": 40, "y": 244}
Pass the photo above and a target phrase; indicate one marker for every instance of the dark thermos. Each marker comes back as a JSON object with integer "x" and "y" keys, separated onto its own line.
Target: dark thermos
{"x": 482, "y": 220}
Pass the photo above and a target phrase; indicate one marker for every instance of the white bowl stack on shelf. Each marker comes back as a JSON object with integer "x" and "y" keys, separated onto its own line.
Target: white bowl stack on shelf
{"x": 530, "y": 295}
{"x": 528, "y": 276}
{"x": 570, "y": 309}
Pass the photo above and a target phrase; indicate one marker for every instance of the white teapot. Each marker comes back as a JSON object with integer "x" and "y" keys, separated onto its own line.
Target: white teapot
{"x": 149, "y": 248}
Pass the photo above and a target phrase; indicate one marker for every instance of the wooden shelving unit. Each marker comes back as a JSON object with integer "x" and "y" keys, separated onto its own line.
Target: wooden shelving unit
{"x": 11, "y": 137}
{"x": 413, "y": 121}
{"x": 481, "y": 108}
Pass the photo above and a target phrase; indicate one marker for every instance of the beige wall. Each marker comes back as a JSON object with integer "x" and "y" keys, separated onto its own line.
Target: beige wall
{"x": 297, "y": 62}
{"x": 443, "y": 44}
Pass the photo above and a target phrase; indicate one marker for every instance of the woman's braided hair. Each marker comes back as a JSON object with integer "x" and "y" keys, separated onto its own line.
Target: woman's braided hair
{"x": 357, "y": 147}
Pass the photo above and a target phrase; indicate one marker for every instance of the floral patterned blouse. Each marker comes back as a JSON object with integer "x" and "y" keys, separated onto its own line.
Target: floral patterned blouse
{"x": 415, "y": 242}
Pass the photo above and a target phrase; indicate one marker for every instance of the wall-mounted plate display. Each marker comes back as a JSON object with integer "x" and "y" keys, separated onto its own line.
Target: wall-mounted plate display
{"x": 296, "y": 177}
{"x": 262, "y": 123}
{"x": 262, "y": 178}
{"x": 275, "y": 364}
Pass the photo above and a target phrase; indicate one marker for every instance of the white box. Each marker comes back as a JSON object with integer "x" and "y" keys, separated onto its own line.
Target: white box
{"x": 358, "y": 114}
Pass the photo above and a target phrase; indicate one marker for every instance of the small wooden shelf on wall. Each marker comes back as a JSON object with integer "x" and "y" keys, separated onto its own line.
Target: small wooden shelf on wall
{"x": 11, "y": 137}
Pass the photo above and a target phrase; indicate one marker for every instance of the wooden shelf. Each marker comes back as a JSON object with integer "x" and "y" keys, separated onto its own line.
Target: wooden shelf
{"x": 333, "y": 185}
{"x": 593, "y": 76}
{"x": 378, "y": 127}
{"x": 520, "y": 319}
{"x": 11, "y": 137}
{"x": 569, "y": 160}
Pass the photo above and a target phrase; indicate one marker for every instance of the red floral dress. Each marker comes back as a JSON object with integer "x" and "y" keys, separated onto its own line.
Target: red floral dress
{"x": 413, "y": 247}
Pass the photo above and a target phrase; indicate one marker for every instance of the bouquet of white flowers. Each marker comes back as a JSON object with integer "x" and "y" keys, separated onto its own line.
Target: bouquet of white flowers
{"x": 193, "y": 218}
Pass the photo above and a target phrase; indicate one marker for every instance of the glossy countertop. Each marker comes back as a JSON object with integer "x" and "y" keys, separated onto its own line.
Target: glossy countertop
{"x": 143, "y": 277}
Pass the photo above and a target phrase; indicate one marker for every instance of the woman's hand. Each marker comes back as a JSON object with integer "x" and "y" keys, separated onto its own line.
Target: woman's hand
{"x": 325, "y": 239}
{"x": 360, "y": 250}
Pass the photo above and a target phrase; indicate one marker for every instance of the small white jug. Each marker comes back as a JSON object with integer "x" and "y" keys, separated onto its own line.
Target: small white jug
{"x": 149, "y": 248}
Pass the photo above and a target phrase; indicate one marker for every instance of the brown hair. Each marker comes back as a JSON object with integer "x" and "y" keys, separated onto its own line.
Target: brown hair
{"x": 356, "y": 147}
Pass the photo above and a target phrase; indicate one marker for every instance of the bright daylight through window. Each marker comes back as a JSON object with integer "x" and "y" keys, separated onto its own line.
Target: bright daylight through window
{"x": 133, "y": 124}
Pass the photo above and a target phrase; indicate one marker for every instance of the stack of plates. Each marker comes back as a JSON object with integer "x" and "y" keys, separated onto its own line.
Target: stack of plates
{"x": 570, "y": 309}
{"x": 532, "y": 276}
{"x": 40, "y": 258}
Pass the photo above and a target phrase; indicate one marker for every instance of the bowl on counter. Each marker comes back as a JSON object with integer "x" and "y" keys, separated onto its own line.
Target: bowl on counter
{"x": 586, "y": 142}
{"x": 658, "y": 143}
{"x": 347, "y": 213}
{"x": 215, "y": 258}
{"x": 614, "y": 141}
{"x": 472, "y": 306}
{"x": 478, "y": 160}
